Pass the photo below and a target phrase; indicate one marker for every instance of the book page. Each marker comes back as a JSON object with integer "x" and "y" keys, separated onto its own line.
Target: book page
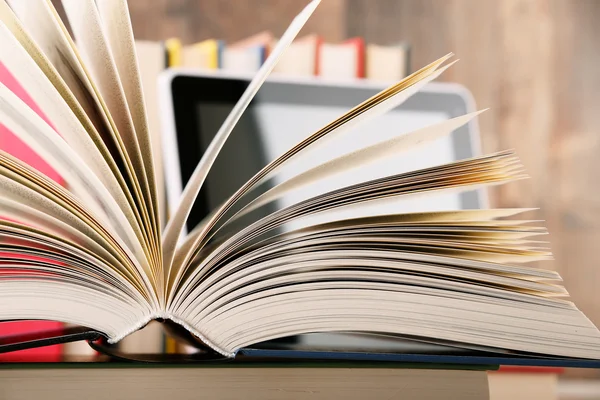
{"x": 37, "y": 18}
{"x": 314, "y": 267}
{"x": 33, "y": 190}
{"x": 152, "y": 62}
{"x": 350, "y": 305}
{"x": 74, "y": 232}
{"x": 44, "y": 25}
{"x": 33, "y": 131}
{"x": 464, "y": 174}
{"x": 39, "y": 88}
{"x": 93, "y": 47}
{"x": 62, "y": 249}
{"x": 469, "y": 233}
{"x": 116, "y": 22}
{"x": 177, "y": 222}
{"x": 64, "y": 115}
{"x": 362, "y": 242}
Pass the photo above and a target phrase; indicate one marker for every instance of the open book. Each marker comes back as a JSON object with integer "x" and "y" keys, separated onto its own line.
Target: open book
{"x": 93, "y": 253}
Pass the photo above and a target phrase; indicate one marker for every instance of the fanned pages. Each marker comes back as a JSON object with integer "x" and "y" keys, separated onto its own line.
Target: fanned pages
{"x": 94, "y": 49}
{"x": 176, "y": 223}
{"x": 46, "y": 28}
{"x": 67, "y": 115}
{"x": 91, "y": 253}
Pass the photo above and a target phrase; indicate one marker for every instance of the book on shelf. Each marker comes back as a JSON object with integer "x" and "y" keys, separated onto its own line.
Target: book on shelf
{"x": 202, "y": 55}
{"x": 342, "y": 61}
{"x": 306, "y": 56}
{"x": 173, "y": 48}
{"x": 246, "y": 56}
{"x": 301, "y": 58}
{"x": 387, "y": 63}
{"x": 92, "y": 252}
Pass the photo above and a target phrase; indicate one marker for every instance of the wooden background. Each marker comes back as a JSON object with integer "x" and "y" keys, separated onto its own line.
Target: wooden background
{"x": 534, "y": 62}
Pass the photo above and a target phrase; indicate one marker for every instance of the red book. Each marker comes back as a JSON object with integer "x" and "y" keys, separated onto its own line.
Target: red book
{"x": 12, "y": 145}
{"x": 342, "y": 61}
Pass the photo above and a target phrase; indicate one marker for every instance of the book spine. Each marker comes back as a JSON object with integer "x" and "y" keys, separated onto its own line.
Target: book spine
{"x": 318, "y": 44}
{"x": 174, "y": 48}
{"x": 359, "y": 45}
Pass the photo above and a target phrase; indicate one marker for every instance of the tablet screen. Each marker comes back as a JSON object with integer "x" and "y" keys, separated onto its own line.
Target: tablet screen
{"x": 282, "y": 116}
